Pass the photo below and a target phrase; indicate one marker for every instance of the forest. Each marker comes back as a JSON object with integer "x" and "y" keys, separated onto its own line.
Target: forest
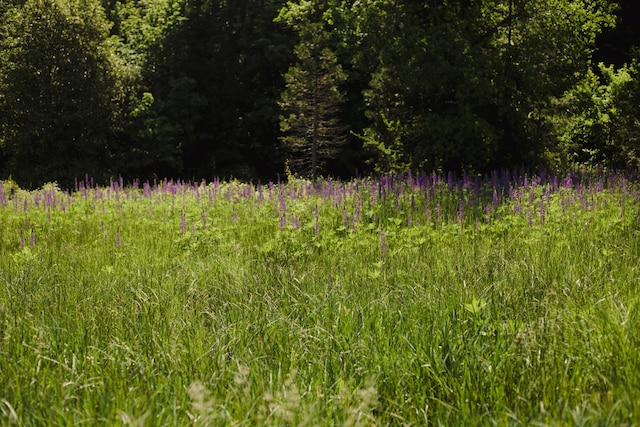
{"x": 254, "y": 89}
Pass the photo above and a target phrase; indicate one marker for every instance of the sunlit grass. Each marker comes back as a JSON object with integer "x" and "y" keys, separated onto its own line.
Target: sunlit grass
{"x": 374, "y": 302}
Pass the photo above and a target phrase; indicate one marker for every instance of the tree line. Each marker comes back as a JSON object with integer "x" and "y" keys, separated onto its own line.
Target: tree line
{"x": 254, "y": 88}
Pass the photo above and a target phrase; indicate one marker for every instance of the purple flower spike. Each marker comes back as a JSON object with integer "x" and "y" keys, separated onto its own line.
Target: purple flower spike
{"x": 32, "y": 239}
{"x": 383, "y": 243}
{"x": 345, "y": 218}
{"x": 183, "y": 222}
{"x": 117, "y": 238}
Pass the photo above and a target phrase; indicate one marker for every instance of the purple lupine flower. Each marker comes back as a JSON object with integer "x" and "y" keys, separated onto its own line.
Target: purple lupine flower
{"x": 183, "y": 222}
{"x": 547, "y": 195}
{"x": 283, "y": 205}
{"x": 117, "y": 238}
{"x": 487, "y": 212}
{"x": 529, "y": 217}
{"x": 427, "y": 213}
{"x": 383, "y": 242}
{"x": 374, "y": 192}
{"x": 32, "y": 239}
{"x": 345, "y": 218}
{"x": 461, "y": 211}
{"x": 409, "y": 220}
{"x": 542, "y": 209}
{"x": 21, "y": 239}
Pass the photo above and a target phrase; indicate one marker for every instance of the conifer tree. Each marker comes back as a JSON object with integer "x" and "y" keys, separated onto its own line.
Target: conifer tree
{"x": 311, "y": 103}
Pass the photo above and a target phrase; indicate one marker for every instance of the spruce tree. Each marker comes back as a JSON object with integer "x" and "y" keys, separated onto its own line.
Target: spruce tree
{"x": 311, "y": 103}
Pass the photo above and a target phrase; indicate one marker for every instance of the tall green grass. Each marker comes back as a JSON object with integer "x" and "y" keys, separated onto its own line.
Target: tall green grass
{"x": 361, "y": 303}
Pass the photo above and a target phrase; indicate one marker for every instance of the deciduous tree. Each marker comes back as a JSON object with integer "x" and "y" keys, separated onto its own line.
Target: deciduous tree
{"x": 57, "y": 80}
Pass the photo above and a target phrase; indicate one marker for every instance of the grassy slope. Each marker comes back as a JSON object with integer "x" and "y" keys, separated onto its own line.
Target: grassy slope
{"x": 168, "y": 305}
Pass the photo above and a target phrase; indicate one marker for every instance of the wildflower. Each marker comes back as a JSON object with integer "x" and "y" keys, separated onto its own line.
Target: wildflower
{"x": 517, "y": 208}
{"x": 183, "y": 222}
{"x": 383, "y": 242}
{"x": 295, "y": 222}
{"x": 32, "y": 239}
{"x": 117, "y": 238}
{"x": 345, "y": 218}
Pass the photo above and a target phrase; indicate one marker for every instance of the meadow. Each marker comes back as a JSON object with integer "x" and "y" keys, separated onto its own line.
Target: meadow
{"x": 506, "y": 299}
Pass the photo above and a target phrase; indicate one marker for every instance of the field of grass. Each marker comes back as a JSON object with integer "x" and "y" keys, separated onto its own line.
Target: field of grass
{"x": 415, "y": 300}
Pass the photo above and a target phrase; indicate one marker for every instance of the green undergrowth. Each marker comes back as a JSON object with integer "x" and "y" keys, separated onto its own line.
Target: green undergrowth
{"x": 220, "y": 309}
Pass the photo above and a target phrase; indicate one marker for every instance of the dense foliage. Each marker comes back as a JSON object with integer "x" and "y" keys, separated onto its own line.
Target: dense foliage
{"x": 199, "y": 89}
{"x": 416, "y": 300}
